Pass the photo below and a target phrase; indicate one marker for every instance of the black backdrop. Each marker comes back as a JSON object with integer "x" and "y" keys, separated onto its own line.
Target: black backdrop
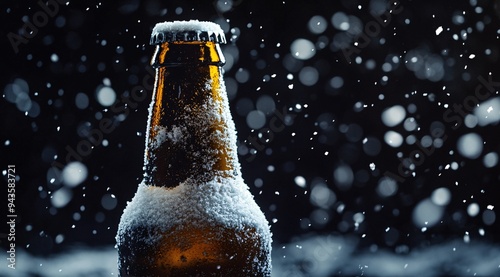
{"x": 325, "y": 108}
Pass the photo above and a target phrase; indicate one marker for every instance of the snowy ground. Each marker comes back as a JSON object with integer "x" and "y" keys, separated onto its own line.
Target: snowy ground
{"x": 311, "y": 256}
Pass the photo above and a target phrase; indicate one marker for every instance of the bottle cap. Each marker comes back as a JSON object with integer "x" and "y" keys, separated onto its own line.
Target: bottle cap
{"x": 192, "y": 30}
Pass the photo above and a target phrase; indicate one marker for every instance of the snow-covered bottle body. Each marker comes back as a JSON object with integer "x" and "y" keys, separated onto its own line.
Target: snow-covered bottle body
{"x": 193, "y": 214}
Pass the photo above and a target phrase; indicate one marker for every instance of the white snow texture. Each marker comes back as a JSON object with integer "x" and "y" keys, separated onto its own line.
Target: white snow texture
{"x": 226, "y": 201}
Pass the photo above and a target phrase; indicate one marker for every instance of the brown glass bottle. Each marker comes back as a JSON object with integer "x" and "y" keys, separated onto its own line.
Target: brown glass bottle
{"x": 192, "y": 214}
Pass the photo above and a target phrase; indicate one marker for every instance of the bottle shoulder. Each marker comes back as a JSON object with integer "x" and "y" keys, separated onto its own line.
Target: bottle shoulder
{"x": 224, "y": 202}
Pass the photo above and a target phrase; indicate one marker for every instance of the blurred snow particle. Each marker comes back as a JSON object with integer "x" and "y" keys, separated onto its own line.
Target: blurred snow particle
{"x": 437, "y": 129}
{"x": 256, "y": 119}
{"x": 425, "y": 65}
{"x": 231, "y": 88}
{"x": 441, "y": 196}
{"x": 17, "y": 93}
{"x": 343, "y": 177}
{"x": 258, "y": 183}
{"x": 300, "y": 181}
{"x": 242, "y": 75}
{"x": 54, "y": 57}
{"x": 466, "y": 237}
{"x": 232, "y": 54}
{"x": 358, "y": 218}
{"x": 119, "y": 49}
{"x": 340, "y": 21}
{"x": 292, "y": 64}
{"x": 378, "y": 7}
{"x": 319, "y": 218}
{"x": 371, "y": 146}
{"x": 354, "y": 132}
{"x": 105, "y": 95}
{"x": 322, "y": 196}
{"x": 308, "y": 76}
{"x": 410, "y": 124}
{"x": 336, "y": 82}
{"x": 393, "y": 115}
{"x": 359, "y": 106}
{"x": 128, "y": 6}
{"x": 74, "y": 174}
{"x": 412, "y": 108}
{"x": 34, "y": 110}
{"x": 427, "y": 213}
{"x": 489, "y": 217}
{"x": 59, "y": 239}
{"x": 81, "y": 100}
{"x": 317, "y": 24}
{"x": 265, "y": 103}
{"x": 386, "y": 187}
{"x": 393, "y": 139}
{"x": 61, "y": 197}
{"x": 60, "y": 21}
{"x": 391, "y": 237}
{"x": 302, "y": 49}
{"x": 426, "y": 141}
{"x": 471, "y": 121}
{"x": 326, "y": 121}
{"x": 224, "y": 5}
{"x": 473, "y": 209}
{"x": 23, "y": 102}
{"x": 490, "y": 160}
{"x": 53, "y": 177}
{"x": 458, "y": 18}
{"x": 11, "y": 91}
{"x": 370, "y": 64}
{"x": 235, "y": 33}
{"x": 411, "y": 139}
{"x": 386, "y": 67}
{"x": 106, "y": 82}
{"x": 488, "y": 112}
{"x": 108, "y": 201}
{"x": 470, "y": 145}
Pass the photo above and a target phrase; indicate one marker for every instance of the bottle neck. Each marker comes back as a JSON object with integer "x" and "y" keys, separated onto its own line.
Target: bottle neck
{"x": 190, "y": 130}
{"x": 187, "y": 53}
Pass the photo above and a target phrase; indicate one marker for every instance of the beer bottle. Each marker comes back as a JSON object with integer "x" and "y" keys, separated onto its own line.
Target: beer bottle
{"x": 192, "y": 214}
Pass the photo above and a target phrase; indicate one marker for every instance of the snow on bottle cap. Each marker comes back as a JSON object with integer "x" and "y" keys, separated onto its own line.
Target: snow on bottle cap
{"x": 192, "y": 30}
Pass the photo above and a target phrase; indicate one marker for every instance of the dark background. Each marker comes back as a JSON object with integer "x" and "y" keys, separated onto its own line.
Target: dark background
{"x": 94, "y": 41}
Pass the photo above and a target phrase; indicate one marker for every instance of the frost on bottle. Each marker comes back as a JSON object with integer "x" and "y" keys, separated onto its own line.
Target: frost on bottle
{"x": 192, "y": 215}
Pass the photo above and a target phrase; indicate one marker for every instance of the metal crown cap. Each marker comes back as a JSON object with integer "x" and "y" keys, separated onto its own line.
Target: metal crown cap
{"x": 192, "y": 30}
